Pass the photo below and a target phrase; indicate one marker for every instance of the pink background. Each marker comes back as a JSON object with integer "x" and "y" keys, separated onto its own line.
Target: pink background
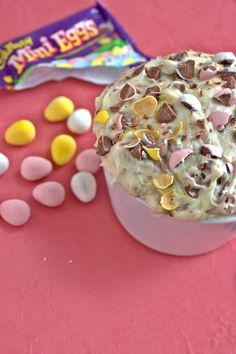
{"x": 72, "y": 280}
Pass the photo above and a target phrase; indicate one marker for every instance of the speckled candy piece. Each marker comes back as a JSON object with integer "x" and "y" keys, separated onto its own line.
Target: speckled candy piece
{"x": 15, "y": 212}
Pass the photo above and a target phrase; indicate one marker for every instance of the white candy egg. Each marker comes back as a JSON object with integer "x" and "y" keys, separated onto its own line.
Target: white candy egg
{"x": 191, "y": 101}
{"x": 84, "y": 186}
{"x": 4, "y": 163}
{"x": 224, "y": 56}
{"x": 79, "y": 121}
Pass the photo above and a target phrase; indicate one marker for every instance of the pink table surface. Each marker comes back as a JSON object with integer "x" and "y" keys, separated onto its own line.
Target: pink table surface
{"x": 72, "y": 280}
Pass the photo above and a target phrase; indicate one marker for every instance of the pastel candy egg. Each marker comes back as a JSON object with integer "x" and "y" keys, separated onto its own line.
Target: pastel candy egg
{"x": 4, "y": 164}
{"x": 50, "y": 194}
{"x": 190, "y": 102}
{"x": 219, "y": 118}
{"x": 22, "y": 132}
{"x": 88, "y": 161}
{"x": 178, "y": 156}
{"x": 213, "y": 150}
{"x": 34, "y": 168}
{"x": 102, "y": 117}
{"x": 80, "y": 121}
{"x": 224, "y": 58}
{"x": 224, "y": 91}
{"x": 15, "y": 212}
{"x": 153, "y": 153}
{"x": 63, "y": 148}
{"x": 163, "y": 181}
{"x": 207, "y": 73}
{"x": 168, "y": 200}
{"x": 59, "y": 109}
{"x": 84, "y": 186}
{"x": 145, "y": 106}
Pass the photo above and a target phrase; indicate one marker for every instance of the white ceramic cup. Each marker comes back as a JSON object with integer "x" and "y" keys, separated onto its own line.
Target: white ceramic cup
{"x": 166, "y": 234}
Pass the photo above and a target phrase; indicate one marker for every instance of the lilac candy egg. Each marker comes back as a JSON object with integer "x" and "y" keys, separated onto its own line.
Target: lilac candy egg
{"x": 50, "y": 194}
{"x": 34, "y": 168}
{"x": 88, "y": 161}
{"x": 15, "y": 212}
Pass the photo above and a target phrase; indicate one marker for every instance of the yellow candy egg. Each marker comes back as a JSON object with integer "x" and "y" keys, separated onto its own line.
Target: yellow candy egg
{"x": 177, "y": 131}
{"x": 20, "y": 133}
{"x": 63, "y": 148}
{"x": 163, "y": 181}
{"x": 59, "y": 109}
{"x": 153, "y": 153}
{"x": 145, "y": 106}
{"x": 168, "y": 201}
{"x": 102, "y": 117}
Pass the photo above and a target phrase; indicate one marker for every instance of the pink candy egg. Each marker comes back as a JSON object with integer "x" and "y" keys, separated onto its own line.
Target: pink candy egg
{"x": 219, "y": 118}
{"x": 178, "y": 156}
{"x": 50, "y": 194}
{"x": 34, "y": 168}
{"x": 207, "y": 74}
{"x": 15, "y": 212}
{"x": 224, "y": 91}
{"x": 119, "y": 123}
{"x": 88, "y": 161}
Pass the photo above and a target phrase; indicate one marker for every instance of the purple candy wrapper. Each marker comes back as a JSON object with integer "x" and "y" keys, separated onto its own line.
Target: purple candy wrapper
{"x": 90, "y": 45}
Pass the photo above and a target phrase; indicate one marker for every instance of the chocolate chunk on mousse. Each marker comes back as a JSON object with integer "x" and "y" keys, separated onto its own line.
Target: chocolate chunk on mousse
{"x": 127, "y": 121}
{"x": 137, "y": 71}
{"x": 226, "y": 75}
{"x": 127, "y": 92}
{"x": 153, "y": 73}
{"x": 166, "y": 113}
{"x": 136, "y": 152}
{"x": 224, "y": 99}
{"x": 180, "y": 86}
{"x": 185, "y": 70}
{"x": 230, "y": 83}
{"x": 153, "y": 91}
{"x": 104, "y": 145}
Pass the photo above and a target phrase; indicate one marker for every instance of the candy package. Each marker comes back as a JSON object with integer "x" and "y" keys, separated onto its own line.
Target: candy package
{"x": 90, "y": 45}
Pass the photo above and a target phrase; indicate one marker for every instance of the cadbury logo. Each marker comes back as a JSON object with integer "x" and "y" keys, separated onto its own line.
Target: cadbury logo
{"x": 9, "y": 47}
